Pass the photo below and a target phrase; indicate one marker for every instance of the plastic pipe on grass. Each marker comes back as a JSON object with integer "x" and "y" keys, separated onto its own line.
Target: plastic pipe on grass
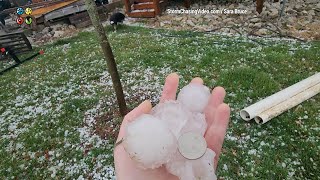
{"x": 288, "y": 104}
{"x": 277, "y": 98}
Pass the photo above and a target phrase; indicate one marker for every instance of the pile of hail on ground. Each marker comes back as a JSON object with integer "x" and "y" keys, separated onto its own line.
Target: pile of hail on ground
{"x": 175, "y": 130}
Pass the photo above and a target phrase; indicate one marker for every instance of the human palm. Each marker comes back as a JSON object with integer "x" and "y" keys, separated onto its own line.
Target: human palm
{"x": 217, "y": 116}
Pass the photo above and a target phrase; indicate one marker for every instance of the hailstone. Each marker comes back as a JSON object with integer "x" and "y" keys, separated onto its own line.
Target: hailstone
{"x": 197, "y": 124}
{"x": 194, "y": 96}
{"x": 151, "y": 140}
{"x": 202, "y": 168}
{"x": 147, "y": 135}
{"x": 174, "y": 114}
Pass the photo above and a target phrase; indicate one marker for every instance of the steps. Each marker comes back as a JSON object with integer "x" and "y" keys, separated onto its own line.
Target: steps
{"x": 141, "y": 6}
{"x": 146, "y": 13}
{"x": 144, "y": 8}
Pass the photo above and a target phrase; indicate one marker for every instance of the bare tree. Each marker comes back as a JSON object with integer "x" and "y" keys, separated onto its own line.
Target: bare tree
{"x": 107, "y": 51}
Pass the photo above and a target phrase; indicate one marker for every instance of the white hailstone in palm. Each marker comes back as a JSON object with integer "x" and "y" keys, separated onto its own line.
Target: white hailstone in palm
{"x": 186, "y": 169}
{"x": 180, "y": 167}
{"x": 174, "y": 114}
{"x": 149, "y": 142}
{"x": 194, "y": 96}
{"x": 203, "y": 167}
{"x": 196, "y": 124}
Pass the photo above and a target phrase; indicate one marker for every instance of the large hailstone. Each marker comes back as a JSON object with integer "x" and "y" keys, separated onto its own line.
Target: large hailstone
{"x": 149, "y": 142}
{"x": 186, "y": 169}
{"x": 173, "y": 114}
{"x": 194, "y": 96}
{"x": 156, "y": 139}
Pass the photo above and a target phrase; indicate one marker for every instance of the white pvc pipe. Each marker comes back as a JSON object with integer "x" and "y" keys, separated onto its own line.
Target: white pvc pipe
{"x": 288, "y": 104}
{"x": 265, "y": 104}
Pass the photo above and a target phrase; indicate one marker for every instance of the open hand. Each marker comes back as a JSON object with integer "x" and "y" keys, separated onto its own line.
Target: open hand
{"x": 217, "y": 116}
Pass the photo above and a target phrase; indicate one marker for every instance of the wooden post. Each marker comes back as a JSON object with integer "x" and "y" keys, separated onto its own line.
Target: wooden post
{"x": 127, "y": 4}
{"x": 187, "y": 3}
{"x": 157, "y": 9}
{"x": 107, "y": 51}
{"x": 259, "y": 6}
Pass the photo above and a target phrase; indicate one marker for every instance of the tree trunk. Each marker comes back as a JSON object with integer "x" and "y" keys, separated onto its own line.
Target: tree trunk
{"x": 107, "y": 51}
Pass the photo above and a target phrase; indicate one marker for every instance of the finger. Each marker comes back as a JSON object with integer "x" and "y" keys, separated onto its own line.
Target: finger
{"x": 197, "y": 80}
{"x": 217, "y": 130}
{"x": 170, "y": 87}
{"x": 144, "y": 108}
{"x": 216, "y": 99}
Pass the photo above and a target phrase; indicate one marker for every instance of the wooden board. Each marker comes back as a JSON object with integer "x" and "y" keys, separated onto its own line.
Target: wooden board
{"x": 72, "y": 8}
{"x": 16, "y": 42}
{"x": 44, "y": 10}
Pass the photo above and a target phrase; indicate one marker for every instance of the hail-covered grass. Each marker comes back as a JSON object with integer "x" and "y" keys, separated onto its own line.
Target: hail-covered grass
{"x": 57, "y": 111}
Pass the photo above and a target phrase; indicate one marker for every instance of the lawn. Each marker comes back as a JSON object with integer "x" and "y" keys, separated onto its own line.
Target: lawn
{"x": 58, "y": 116}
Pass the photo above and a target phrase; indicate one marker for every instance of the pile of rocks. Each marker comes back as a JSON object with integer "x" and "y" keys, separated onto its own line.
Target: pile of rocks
{"x": 49, "y": 34}
{"x": 300, "y": 19}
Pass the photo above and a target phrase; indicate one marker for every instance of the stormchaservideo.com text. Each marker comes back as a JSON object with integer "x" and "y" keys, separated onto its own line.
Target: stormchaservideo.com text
{"x": 206, "y": 11}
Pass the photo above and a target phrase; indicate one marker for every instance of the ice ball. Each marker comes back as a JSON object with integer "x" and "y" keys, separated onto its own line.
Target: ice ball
{"x": 203, "y": 167}
{"x": 179, "y": 167}
{"x": 196, "y": 124}
{"x": 186, "y": 169}
{"x": 173, "y": 114}
{"x": 149, "y": 141}
{"x": 194, "y": 96}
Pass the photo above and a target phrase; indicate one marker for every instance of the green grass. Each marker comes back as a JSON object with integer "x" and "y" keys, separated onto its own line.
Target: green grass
{"x": 49, "y": 106}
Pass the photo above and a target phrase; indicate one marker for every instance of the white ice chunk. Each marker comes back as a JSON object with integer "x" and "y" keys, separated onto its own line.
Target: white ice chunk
{"x": 202, "y": 168}
{"x": 149, "y": 142}
{"x": 173, "y": 114}
{"x": 196, "y": 124}
{"x": 194, "y": 96}
{"x": 177, "y": 166}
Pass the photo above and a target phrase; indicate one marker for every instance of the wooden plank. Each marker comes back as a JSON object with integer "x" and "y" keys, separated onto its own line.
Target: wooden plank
{"x": 8, "y": 36}
{"x": 23, "y": 51}
{"x": 13, "y": 39}
{"x": 87, "y": 21}
{"x": 148, "y": 5}
{"x": 146, "y": 14}
{"x": 33, "y": 6}
{"x": 127, "y": 5}
{"x": 156, "y": 6}
{"x": 78, "y": 18}
{"x": 9, "y": 44}
{"x": 18, "y": 49}
{"x": 64, "y": 12}
{"x": 83, "y": 24}
{"x": 80, "y": 7}
{"x": 26, "y": 40}
{"x": 259, "y": 6}
{"x": 41, "y": 11}
{"x": 143, "y": 1}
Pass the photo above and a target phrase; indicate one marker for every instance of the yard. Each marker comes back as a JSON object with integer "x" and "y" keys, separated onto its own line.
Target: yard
{"x": 59, "y": 119}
